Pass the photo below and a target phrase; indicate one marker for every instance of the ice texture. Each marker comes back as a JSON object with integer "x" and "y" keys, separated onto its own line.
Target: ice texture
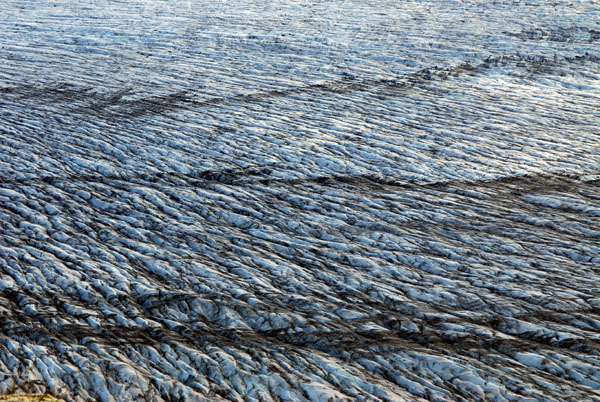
{"x": 300, "y": 200}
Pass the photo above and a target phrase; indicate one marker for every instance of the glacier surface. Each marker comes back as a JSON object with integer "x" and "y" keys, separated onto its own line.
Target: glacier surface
{"x": 300, "y": 200}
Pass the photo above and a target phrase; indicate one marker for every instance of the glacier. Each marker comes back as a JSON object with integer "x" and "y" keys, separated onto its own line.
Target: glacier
{"x": 300, "y": 200}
